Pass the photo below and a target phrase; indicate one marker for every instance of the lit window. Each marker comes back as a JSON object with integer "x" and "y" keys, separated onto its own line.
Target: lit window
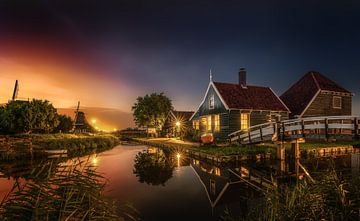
{"x": 217, "y": 122}
{"x": 217, "y": 171}
{"x": 337, "y": 102}
{"x": 208, "y": 123}
{"x": 211, "y": 102}
{"x": 196, "y": 124}
{"x": 203, "y": 122}
{"x": 245, "y": 121}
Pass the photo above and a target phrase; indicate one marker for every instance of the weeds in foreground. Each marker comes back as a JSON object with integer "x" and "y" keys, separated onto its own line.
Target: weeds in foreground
{"x": 332, "y": 197}
{"x": 62, "y": 192}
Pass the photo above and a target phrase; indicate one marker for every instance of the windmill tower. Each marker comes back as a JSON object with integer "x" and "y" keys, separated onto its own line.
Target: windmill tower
{"x": 16, "y": 91}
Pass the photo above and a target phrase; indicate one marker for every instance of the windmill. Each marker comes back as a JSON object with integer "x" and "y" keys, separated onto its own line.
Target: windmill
{"x": 16, "y": 91}
{"x": 76, "y": 115}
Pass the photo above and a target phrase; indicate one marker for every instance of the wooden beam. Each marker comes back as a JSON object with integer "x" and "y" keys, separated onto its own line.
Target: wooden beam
{"x": 327, "y": 129}
{"x": 356, "y": 127}
{"x": 303, "y": 128}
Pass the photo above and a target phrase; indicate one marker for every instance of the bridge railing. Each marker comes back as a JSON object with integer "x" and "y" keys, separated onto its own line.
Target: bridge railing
{"x": 255, "y": 133}
{"x": 324, "y": 127}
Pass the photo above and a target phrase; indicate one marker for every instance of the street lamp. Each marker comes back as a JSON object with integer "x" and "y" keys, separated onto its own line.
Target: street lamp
{"x": 178, "y": 124}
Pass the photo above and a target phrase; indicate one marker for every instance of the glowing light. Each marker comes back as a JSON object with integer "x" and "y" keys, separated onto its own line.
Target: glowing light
{"x": 97, "y": 128}
{"x": 93, "y": 121}
{"x": 94, "y": 161}
{"x": 115, "y": 129}
{"x": 178, "y": 123}
{"x": 178, "y": 156}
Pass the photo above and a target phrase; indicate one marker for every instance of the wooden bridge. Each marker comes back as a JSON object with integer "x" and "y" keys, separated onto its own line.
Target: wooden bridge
{"x": 325, "y": 128}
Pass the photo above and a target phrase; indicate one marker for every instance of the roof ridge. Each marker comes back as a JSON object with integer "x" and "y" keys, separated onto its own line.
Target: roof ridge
{"x": 315, "y": 80}
{"x": 236, "y": 84}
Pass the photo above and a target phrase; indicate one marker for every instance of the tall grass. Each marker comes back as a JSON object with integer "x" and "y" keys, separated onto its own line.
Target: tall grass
{"x": 62, "y": 192}
{"x": 331, "y": 197}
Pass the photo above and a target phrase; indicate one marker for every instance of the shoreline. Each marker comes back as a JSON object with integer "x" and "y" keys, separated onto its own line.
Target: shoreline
{"x": 237, "y": 153}
{"x": 14, "y": 147}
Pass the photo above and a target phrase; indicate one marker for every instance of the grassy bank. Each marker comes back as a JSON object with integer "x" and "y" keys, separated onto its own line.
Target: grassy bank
{"x": 229, "y": 150}
{"x": 72, "y": 143}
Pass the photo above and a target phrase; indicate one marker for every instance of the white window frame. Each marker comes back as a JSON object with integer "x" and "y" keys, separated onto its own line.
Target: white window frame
{"x": 211, "y": 102}
{"x": 340, "y": 99}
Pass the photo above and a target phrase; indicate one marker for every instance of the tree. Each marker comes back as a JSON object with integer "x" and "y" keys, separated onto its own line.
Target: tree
{"x": 151, "y": 110}
{"x": 26, "y": 117}
{"x": 65, "y": 124}
{"x": 153, "y": 169}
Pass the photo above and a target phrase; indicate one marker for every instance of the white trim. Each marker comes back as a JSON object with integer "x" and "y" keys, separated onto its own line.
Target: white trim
{"x": 333, "y": 102}
{"x": 311, "y": 101}
{"x": 279, "y": 99}
{"x": 203, "y": 100}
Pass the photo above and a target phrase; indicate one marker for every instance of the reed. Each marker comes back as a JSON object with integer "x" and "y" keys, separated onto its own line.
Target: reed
{"x": 68, "y": 191}
{"x": 332, "y": 197}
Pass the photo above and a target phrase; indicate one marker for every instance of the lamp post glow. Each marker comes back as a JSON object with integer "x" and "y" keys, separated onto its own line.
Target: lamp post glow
{"x": 178, "y": 159}
{"x": 178, "y": 123}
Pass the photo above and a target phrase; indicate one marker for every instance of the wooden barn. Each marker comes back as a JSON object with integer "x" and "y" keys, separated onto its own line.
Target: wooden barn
{"x": 177, "y": 122}
{"x": 227, "y": 108}
{"x": 316, "y": 95}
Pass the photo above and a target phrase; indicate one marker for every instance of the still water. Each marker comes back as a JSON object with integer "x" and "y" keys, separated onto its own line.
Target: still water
{"x": 165, "y": 185}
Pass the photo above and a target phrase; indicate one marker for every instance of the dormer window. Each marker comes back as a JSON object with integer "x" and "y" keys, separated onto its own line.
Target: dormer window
{"x": 211, "y": 102}
{"x": 337, "y": 102}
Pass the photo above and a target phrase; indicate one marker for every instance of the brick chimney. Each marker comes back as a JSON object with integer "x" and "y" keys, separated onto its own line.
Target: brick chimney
{"x": 242, "y": 77}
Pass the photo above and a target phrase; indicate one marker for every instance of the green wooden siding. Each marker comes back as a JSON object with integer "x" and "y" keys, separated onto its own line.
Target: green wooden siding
{"x": 230, "y": 119}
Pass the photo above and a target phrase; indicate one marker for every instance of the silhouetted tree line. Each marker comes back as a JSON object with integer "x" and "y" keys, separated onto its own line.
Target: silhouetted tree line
{"x": 32, "y": 116}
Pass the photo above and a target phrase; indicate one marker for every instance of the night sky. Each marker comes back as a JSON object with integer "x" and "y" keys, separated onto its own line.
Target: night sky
{"x": 106, "y": 53}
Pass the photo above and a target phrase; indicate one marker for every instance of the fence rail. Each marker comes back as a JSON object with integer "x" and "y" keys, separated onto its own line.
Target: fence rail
{"x": 327, "y": 127}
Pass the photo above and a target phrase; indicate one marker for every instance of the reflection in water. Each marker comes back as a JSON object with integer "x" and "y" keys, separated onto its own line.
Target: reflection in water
{"x": 161, "y": 183}
{"x": 153, "y": 168}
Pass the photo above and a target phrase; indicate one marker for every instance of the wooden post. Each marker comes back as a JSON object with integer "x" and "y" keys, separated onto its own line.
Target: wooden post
{"x": 303, "y": 128}
{"x": 281, "y": 151}
{"x": 327, "y": 129}
{"x": 295, "y": 148}
{"x": 249, "y": 137}
{"x": 356, "y": 127}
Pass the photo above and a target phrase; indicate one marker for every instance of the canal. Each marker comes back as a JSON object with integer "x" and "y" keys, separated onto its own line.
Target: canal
{"x": 166, "y": 185}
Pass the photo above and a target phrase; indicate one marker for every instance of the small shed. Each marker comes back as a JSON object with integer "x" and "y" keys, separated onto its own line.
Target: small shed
{"x": 316, "y": 95}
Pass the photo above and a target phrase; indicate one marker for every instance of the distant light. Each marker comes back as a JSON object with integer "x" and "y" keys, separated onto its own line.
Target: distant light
{"x": 97, "y": 128}
{"x": 178, "y": 156}
{"x": 93, "y": 121}
{"x": 94, "y": 161}
{"x": 178, "y": 123}
{"x": 115, "y": 129}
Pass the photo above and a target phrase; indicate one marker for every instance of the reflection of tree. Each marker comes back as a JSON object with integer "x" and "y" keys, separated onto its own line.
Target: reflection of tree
{"x": 154, "y": 169}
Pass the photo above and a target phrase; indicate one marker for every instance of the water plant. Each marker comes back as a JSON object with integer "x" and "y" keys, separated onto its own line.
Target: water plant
{"x": 332, "y": 197}
{"x": 65, "y": 191}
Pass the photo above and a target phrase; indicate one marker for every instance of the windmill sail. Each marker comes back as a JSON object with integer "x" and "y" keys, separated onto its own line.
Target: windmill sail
{"x": 16, "y": 90}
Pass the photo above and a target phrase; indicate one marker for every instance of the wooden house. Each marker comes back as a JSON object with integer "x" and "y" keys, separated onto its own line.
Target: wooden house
{"x": 316, "y": 95}
{"x": 227, "y": 108}
{"x": 177, "y": 122}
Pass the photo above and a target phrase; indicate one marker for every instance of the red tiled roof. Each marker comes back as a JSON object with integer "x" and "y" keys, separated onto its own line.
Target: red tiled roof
{"x": 299, "y": 95}
{"x": 250, "y": 97}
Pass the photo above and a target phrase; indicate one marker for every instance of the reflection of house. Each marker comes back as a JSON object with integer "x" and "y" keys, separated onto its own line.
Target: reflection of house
{"x": 316, "y": 95}
{"x": 227, "y": 108}
{"x": 222, "y": 188}
{"x": 177, "y": 121}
